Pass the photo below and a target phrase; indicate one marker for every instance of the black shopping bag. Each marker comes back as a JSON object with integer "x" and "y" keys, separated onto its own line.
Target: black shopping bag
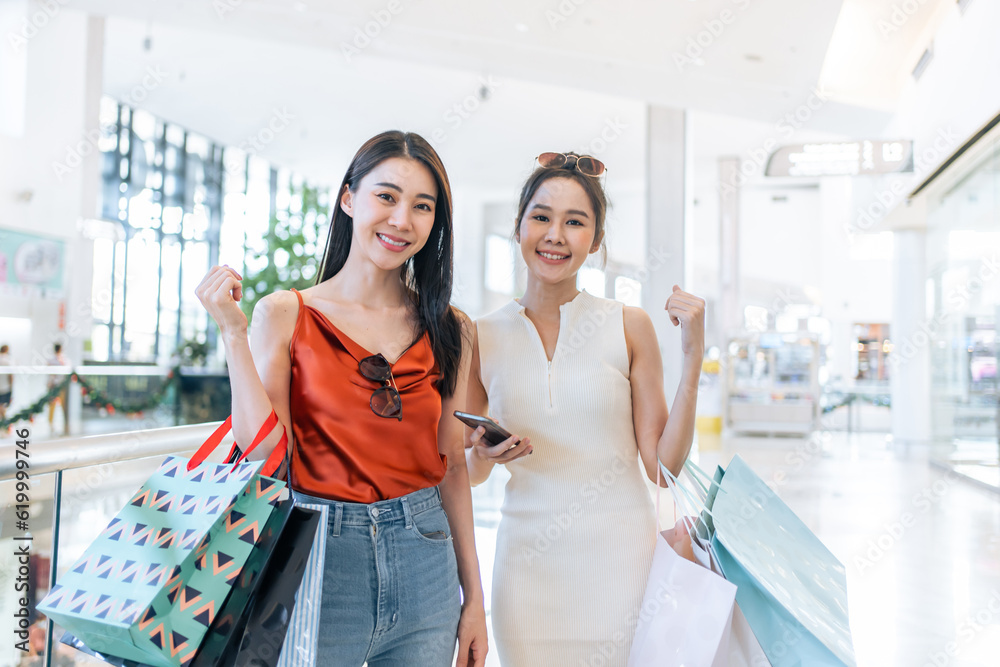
{"x": 254, "y": 632}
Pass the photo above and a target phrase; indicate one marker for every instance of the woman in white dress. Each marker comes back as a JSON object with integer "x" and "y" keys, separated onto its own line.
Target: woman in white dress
{"x": 581, "y": 379}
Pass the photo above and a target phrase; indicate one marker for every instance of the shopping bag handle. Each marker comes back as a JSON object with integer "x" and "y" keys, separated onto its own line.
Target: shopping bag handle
{"x": 682, "y": 497}
{"x": 694, "y": 472}
{"x": 699, "y": 486}
{"x": 671, "y": 483}
{"x": 691, "y": 468}
{"x": 273, "y": 461}
{"x": 686, "y": 495}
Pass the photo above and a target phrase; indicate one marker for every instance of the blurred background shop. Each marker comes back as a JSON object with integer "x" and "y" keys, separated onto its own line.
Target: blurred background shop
{"x": 825, "y": 174}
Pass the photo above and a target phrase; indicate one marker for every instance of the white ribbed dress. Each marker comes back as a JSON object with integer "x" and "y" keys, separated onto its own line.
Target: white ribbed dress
{"x": 577, "y": 531}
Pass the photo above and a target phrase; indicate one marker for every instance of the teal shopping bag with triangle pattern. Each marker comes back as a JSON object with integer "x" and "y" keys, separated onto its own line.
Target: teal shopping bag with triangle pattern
{"x": 148, "y": 588}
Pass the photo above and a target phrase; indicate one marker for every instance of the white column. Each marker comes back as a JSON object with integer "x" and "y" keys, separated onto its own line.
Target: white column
{"x": 53, "y": 166}
{"x": 665, "y": 210}
{"x": 851, "y": 291}
{"x": 79, "y": 264}
{"x": 13, "y": 67}
{"x": 910, "y": 366}
{"x": 729, "y": 318}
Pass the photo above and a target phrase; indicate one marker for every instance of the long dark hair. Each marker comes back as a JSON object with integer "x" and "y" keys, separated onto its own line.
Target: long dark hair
{"x": 428, "y": 274}
{"x": 591, "y": 185}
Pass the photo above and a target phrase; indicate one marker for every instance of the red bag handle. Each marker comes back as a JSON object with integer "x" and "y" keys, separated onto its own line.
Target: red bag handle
{"x": 273, "y": 461}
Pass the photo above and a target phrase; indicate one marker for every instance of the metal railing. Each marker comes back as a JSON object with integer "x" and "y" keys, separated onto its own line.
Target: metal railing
{"x": 150, "y": 371}
{"x": 55, "y": 456}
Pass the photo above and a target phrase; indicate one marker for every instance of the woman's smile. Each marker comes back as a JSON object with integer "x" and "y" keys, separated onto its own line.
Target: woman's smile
{"x": 550, "y": 257}
{"x": 393, "y": 243}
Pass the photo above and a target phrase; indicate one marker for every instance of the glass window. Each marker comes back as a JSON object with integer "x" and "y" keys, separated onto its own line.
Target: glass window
{"x": 182, "y": 199}
{"x": 963, "y": 295}
{"x": 99, "y": 340}
{"x": 118, "y": 304}
{"x": 140, "y": 303}
{"x": 500, "y": 275}
{"x": 628, "y": 291}
{"x": 194, "y": 319}
{"x": 101, "y": 287}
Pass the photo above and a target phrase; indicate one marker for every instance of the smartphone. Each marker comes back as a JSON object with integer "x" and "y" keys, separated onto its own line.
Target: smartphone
{"x": 494, "y": 434}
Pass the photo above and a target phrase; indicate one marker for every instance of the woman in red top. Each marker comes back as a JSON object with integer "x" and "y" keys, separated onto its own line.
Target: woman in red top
{"x": 364, "y": 370}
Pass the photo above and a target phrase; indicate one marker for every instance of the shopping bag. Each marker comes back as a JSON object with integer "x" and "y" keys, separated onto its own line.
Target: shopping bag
{"x": 149, "y": 587}
{"x": 740, "y": 648}
{"x": 743, "y": 649}
{"x": 790, "y": 587}
{"x": 260, "y": 630}
{"x": 302, "y": 641}
{"x": 227, "y": 627}
{"x": 684, "y": 615}
{"x": 69, "y": 639}
{"x": 686, "y": 610}
{"x": 223, "y": 644}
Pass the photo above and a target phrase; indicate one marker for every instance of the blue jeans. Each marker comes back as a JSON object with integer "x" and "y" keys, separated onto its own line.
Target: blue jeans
{"x": 390, "y": 583}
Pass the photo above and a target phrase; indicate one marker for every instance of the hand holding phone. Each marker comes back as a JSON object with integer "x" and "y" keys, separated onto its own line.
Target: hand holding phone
{"x": 496, "y": 443}
{"x": 494, "y": 433}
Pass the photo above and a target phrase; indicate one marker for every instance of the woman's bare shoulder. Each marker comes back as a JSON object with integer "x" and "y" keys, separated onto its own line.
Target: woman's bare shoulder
{"x": 275, "y": 314}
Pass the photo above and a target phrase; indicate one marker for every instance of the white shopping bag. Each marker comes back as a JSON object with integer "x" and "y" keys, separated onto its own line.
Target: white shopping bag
{"x": 686, "y": 613}
{"x": 743, "y": 650}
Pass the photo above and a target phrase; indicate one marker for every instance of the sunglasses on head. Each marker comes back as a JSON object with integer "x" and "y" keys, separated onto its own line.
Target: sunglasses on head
{"x": 385, "y": 401}
{"x": 585, "y": 164}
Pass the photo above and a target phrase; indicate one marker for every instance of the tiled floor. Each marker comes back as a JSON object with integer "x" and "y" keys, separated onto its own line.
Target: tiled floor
{"x": 921, "y": 548}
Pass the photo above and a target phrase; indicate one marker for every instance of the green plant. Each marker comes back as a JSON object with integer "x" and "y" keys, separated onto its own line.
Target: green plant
{"x": 291, "y": 248}
{"x": 193, "y": 352}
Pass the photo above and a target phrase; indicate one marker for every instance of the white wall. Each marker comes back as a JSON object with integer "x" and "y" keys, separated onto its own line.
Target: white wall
{"x": 954, "y": 97}
{"x": 13, "y": 69}
{"x": 795, "y": 250}
{"x": 958, "y": 92}
{"x": 779, "y": 237}
{"x": 37, "y": 194}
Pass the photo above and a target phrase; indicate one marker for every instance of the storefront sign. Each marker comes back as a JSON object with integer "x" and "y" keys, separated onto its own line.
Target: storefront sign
{"x": 845, "y": 158}
{"x": 31, "y": 265}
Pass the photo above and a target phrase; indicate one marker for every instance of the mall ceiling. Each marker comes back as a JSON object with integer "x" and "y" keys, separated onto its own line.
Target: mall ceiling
{"x": 573, "y": 65}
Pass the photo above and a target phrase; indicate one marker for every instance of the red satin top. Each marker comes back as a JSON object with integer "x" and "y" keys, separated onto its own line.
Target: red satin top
{"x": 343, "y": 450}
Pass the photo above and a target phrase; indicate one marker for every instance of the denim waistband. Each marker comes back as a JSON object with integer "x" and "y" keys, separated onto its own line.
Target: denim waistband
{"x": 383, "y": 511}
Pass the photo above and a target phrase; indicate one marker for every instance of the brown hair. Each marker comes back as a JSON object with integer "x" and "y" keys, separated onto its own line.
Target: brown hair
{"x": 591, "y": 185}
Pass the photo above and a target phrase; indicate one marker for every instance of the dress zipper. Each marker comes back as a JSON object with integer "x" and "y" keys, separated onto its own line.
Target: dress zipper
{"x": 550, "y": 381}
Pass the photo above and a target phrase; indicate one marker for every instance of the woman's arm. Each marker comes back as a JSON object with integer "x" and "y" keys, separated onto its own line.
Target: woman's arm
{"x": 669, "y": 440}
{"x": 456, "y": 497}
{"x": 260, "y": 382}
